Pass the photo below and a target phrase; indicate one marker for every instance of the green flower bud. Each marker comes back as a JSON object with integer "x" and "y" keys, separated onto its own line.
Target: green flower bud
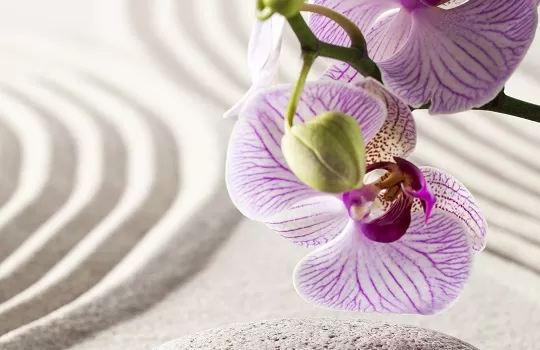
{"x": 327, "y": 153}
{"x": 286, "y": 8}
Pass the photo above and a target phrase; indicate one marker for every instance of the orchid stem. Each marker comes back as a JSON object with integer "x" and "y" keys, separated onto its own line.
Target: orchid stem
{"x": 513, "y": 106}
{"x": 504, "y": 104}
{"x": 356, "y": 57}
{"x": 309, "y": 58}
{"x": 356, "y": 36}
{"x": 353, "y": 57}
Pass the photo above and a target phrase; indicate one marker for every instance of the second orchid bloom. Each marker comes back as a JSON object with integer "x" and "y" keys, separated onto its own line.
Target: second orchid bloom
{"x": 401, "y": 241}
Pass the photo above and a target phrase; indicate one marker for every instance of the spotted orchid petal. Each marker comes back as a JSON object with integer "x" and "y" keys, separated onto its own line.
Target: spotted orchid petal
{"x": 311, "y": 222}
{"x": 456, "y": 58}
{"x": 454, "y": 198}
{"x": 263, "y": 57}
{"x": 397, "y": 137}
{"x": 258, "y": 179}
{"x": 422, "y": 273}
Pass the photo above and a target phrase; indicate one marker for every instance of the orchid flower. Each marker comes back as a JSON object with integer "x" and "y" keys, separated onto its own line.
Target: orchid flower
{"x": 403, "y": 243}
{"x": 263, "y": 57}
{"x": 455, "y": 55}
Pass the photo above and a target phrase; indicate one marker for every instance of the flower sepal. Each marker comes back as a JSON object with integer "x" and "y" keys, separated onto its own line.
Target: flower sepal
{"x": 327, "y": 153}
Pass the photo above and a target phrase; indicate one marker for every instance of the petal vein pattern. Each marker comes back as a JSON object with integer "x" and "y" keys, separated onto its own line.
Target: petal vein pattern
{"x": 422, "y": 273}
{"x": 456, "y": 58}
{"x": 453, "y": 197}
{"x": 460, "y": 58}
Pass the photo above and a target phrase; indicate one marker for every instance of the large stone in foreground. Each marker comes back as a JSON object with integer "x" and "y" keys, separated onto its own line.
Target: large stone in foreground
{"x": 324, "y": 333}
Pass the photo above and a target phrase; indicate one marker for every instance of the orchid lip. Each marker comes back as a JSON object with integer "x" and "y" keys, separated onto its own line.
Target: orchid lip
{"x": 402, "y": 184}
{"x": 392, "y": 225}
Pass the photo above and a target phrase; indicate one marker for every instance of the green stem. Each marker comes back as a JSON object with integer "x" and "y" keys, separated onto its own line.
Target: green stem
{"x": 308, "y": 40}
{"x": 309, "y": 58}
{"x": 356, "y": 36}
{"x": 355, "y": 57}
{"x": 513, "y": 106}
{"x": 502, "y": 103}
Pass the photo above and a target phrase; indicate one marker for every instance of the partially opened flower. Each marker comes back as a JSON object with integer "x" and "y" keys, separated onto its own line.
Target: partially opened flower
{"x": 263, "y": 57}
{"x": 402, "y": 243}
{"x": 456, "y": 54}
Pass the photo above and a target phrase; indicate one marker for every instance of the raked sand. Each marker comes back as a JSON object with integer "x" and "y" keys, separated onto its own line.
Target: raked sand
{"x": 115, "y": 225}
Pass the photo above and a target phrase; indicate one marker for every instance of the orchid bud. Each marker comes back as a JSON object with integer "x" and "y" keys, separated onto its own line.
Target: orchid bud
{"x": 286, "y": 8}
{"x": 327, "y": 153}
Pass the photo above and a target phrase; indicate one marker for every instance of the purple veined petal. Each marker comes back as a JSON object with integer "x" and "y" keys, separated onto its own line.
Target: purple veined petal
{"x": 258, "y": 179}
{"x": 390, "y": 226}
{"x": 362, "y": 12}
{"x": 263, "y": 58}
{"x": 418, "y": 187}
{"x": 422, "y": 273}
{"x": 457, "y": 58}
{"x": 454, "y": 198}
{"x": 397, "y": 137}
{"x": 389, "y": 35}
{"x": 343, "y": 72}
{"x": 311, "y": 222}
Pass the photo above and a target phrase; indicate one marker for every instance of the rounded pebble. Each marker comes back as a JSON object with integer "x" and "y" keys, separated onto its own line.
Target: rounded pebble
{"x": 324, "y": 333}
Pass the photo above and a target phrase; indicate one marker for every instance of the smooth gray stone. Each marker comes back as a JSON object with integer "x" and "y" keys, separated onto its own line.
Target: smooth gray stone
{"x": 322, "y": 333}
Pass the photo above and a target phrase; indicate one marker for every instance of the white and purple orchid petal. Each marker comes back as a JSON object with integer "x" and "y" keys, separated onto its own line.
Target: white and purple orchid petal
{"x": 422, "y": 273}
{"x": 390, "y": 226}
{"x": 311, "y": 222}
{"x": 397, "y": 137}
{"x": 416, "y": 186}
{"x": 258, "y": 179}
{"x": 263, "y": 58}
{"x": 453, "y": 197}
{"x": 362, "y": 12}
{"x": 457, "y": 58}
{"x": 341, "y": 71}
{"x": 389, "y": 35}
